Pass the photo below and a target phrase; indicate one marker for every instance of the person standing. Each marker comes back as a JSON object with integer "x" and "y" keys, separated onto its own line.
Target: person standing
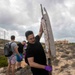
{"x": 12, "y": 58}
{"x": 20, "y": 50}
{"x": 35, "y": 55}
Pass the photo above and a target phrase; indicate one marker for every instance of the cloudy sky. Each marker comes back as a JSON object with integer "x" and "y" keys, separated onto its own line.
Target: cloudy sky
{"x": 18, "y": 16}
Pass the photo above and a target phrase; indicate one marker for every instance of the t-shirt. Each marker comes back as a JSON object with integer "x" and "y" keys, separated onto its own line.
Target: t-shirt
{"x": 20, "y": 48}
{"x": 36, "y": 50}
{"x": 13, "y": 45}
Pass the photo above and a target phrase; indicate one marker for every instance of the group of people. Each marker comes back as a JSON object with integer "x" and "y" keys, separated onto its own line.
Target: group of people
{"x": 34, "y": 56}
{"x": 17, "y": 56}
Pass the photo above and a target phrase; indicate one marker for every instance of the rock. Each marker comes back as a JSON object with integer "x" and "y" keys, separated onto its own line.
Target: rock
{"x": 63, "y": 56}
{"x": 3, "y": 70}
{"x": 24, "y": 71}
{"x": 73, "y": 65}
{"x": 55, "y": 62}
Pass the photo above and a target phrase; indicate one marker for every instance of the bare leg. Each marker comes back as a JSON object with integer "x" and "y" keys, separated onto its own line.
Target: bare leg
{"x": 18, "y": 64}
{"x": 8, "y": 69}
{"x": 13, "y": 69}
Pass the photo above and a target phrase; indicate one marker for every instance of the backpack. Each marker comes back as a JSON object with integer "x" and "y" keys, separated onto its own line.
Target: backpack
{"x": 7, "y": 50}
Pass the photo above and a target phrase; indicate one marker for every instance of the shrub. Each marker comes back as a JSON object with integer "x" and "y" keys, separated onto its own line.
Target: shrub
{"x": 3, "y": 61}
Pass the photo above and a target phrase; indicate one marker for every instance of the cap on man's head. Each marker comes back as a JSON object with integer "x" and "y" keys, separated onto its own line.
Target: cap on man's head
{"x": 28, "y": 33}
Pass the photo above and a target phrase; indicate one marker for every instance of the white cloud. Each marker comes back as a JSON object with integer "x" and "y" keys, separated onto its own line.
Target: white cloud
{"x": 18, "y": 16}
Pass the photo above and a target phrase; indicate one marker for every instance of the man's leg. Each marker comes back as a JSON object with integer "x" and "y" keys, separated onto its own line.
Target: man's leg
{"x": 18, "y": 64}
{"x": 13, "y": 69}
{"x": 19, "y": 61}
{"x": 8, "y": 69}
{"x": 13, "y": 63}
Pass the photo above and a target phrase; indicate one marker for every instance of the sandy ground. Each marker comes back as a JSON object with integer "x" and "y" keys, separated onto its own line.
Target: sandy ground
{"x": 64, "y": 64}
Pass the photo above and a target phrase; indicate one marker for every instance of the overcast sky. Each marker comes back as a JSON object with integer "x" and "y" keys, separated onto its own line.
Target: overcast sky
{"x": 18, "y": 16}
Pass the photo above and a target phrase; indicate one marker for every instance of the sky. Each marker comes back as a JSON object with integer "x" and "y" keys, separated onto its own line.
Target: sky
{"x": 18, "y": 16}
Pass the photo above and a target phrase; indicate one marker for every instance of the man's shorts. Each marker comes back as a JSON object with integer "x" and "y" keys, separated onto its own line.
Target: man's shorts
{"x": 12, "y": 59}
{"x": 18, "y": 58}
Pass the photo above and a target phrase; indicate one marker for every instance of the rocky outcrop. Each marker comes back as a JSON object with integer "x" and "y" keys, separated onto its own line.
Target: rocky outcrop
{"x": 63, "y": 64}
{"x": 23, "y": 71}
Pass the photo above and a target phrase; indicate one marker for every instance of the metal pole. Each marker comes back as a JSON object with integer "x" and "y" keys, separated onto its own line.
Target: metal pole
{"x": 4, "y": 37}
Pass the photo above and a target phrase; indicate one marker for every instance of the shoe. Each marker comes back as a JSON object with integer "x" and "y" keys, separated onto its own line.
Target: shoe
{"x": 19, "y": 68}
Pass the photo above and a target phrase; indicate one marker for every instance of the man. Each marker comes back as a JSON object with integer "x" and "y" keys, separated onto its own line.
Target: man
{"x": 20, "y": 50}
{"x": 35, "y": 55}
{"x": 12, "y": 58}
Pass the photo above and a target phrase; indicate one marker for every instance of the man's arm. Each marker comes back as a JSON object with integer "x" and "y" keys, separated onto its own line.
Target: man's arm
{"x": 16, "y": 50}
{"x": 34, "y": 64}
{"x": 40, "y": 30}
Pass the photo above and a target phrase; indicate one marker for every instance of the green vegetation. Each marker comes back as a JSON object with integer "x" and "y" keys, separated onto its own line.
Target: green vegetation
{"x": 71, "y": 43}
{"x": 3, "y": 61}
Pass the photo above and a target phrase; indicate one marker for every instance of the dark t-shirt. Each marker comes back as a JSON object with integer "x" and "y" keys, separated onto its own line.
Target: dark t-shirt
{"x": 20, "y": 47}
{"x": 36, "y": 50}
